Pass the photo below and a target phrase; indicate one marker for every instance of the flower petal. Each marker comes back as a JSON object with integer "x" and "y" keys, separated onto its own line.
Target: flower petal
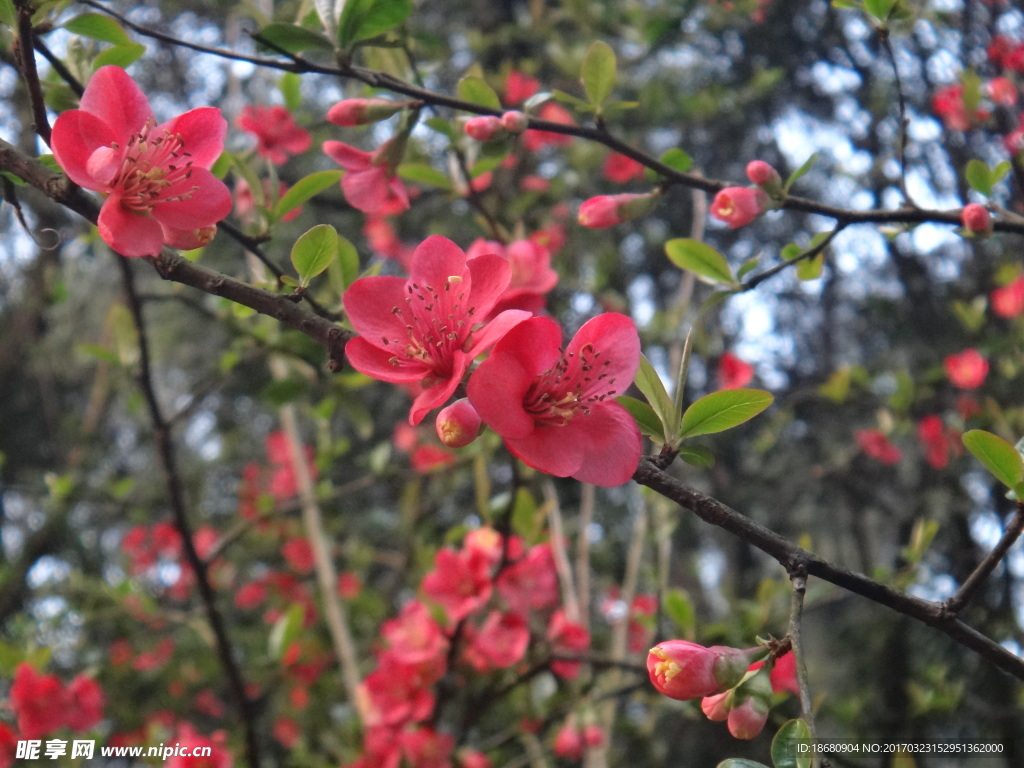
{"x": 435, "y": 260}
{"x": 130, "y": 234}
{"x": 491, "y": 276}
{"x": 613, "y": 445}
{"x": 369, "y": 302}
{"x": 207, "y": 201}
{"x": 433, "y": 396}
{"x": 378, "y": 363}
{"x": 366, "y": 191}
{"x": 348, "y": 157}
{"x": 616, "y": 345}
{"x": 551, "y": 450}
{"x": 496, "y": 329}
{"x": 202, "y": 133}
{"x": 75, "y": 137}
{"x": 117, "y": 100}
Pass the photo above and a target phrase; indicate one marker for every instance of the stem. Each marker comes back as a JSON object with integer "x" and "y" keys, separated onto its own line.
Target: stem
{"x": 796, "y": 609}
{"x": 973, "y": 582}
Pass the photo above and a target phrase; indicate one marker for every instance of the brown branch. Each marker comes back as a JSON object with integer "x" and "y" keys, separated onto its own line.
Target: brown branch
{"x": 794, "y": 558}
{"x": 973, "y": 582}
{"x": 25, "y": 55}
{"x": 176, "y": 497}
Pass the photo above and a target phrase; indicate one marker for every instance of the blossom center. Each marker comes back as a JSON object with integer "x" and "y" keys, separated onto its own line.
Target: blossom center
{"x": 152, "y": 163}
{"x": 570, "y": 387}
{"x": 436, "y": 325}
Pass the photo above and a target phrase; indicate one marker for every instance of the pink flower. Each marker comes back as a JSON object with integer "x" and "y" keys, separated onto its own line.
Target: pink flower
{"x": 1002, "y": 91}
{"x": 1008, "y": 300}
{"x": 976, "y": 219}
{"x": 191, "y": 740}
{"x": 277, "y": 135}
{"x": 370, "y": 184}
{"x": 519, "y": 87}
{"x": 499, "y": 643}
{"x": 531, "y": 583}
{"x": 733, "y": 373}
{"x": 85, "y": 703}
{"x": 426, "y": 748}
{"x": 557, "y": 412}
{"x": 554, "y": 113}
{"x": 683, "y": 670}
{"x": 738, "y": 206}
{"x": 532, "y": 276}
{"x": 876, "y": 445}
{"x": 608, "y": 210}
{"x": 422, "y": 329}
{"x": 967, "y": 369}
{"x": 948, "y": 103}
{"x": 620, "y": 169}
{"x": 156, "y": 178}
{"x": 571, "y": 739}
{"x": 298, "y": 553}
{"x": 284, "y": 483}
{"x": 414, "y": 637}
{"x": 567, "y": 638}
{"x": 460, "y": 583}
{"x": 938, "y": 441}
{"x": 287, "y": 732}
{"x": 39, "y": 702}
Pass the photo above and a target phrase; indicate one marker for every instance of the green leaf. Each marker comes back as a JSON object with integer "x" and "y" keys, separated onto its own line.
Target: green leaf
{"x": 365, "y": 19}
{"x": 574, "y": 101}
{"x": 289, "y": 84}
{"x": 677, "y": 159}
{"x": 697, "y": 455}
{"x": 644, "y": 415}
{"x": 723, "y": 410}
{"x": 648, "y": 382}
{"x": 295, "y": 39}
{"x": 475, "y": 89}
{"x": 100, "y": 353}
{"x": 880, "y": 9}
{"x": 701, "y": 259}
{"x": 740, "y": 762}
{"x": 979, "y": 176}
{"x": 791, "y": 747}
{"x": 1000, "y": 171}
{"x": 811, "y": 269}
{"x": 679, "y": 608}
{"x": 285, "y": 631}
{"x": 348, "y": 260}
{"x": 999, "y": 457}
{"x": 747, "y": 266}
{"x": 7, "y": 13}
{"x": 304, "y": 189}
{"x": 314, "y": 251}
{"x": 119, "y": 55}
{"x": 98, "y": 27}
{"x": 851, "y": 4}
{"x": 425, "y": 174}
{"x": 803, "y": 169}
{"x": 598, "y": 72}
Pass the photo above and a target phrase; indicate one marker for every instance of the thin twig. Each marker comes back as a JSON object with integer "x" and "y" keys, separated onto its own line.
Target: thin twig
{"x": 973, "y": 582}
{"x": 798, "y": 580}
{"x": 26, "y": 57}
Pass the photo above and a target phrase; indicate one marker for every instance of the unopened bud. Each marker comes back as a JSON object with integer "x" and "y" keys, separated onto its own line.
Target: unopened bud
{"x": 684, "y": 670}
{"x": 608, "y": 210}
{"x": 738, "y": 206}
{"x": 458, "y": 424}
{"x": 716, "y": 708}
{"x": 515, "y": 122}
{"x": 483, "y": 128}
{"x": 352, "y": 112}
{"x": 976, "y": 220}
{"x": 751, "y": 702}
{"x": 765, "y": 176}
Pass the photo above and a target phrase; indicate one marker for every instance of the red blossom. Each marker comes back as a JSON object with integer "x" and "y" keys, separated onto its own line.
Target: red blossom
{"x": 531, "y": 583}
{"x": 876, "y": 445}
{"x": 938, "y": 441}
{"x": 483, "y": 128}
{"x": 620, "y": 169}
{"x": 499, "y": 643}
{"x": 1008, "y": 300}
{"x": 156, "y": 178}
{"x": 39, "y": 702}
{"x": 369, "y": 184}
{"x": 414, "y": 637}
{"x": 532, "y": 277}
{"x": 423, "y": 329}
{"x": 554, "y": 113}
{"x": 298, "y": 553}
{"x": 567, "y": 638}
{"x": 284, "y": 483}
{"x": 460, "y": 583}
{"x": 733, "y": 372}
{"x": 967, "y": 369}
{"x": 85, "y": 703}
{"x": 8, "y": 746}
{"x": 277, "y": 135}
{"x": 738, "y": 206}
{"x": 287, "y": 732}
{"x": 557, "y": 412}
{"x": 190, "y": 740}
{"x": 519, "y": 87}
{"x": 948, "y": 103}
{"x": 572, "y": 739}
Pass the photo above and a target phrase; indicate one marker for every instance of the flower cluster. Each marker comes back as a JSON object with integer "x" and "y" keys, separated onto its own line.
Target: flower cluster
{"x": 482, "y": 606}
{"x": 556, "y": 411}
{"x": 732, "y": 687}
{"x": 42, "y": 704}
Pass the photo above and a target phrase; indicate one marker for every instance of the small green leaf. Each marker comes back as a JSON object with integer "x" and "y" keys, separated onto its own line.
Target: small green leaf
{"x": 803, "y": 169}
{"x": 314, "y": 251}
{"x": 98, "y": 27}
{"x": 701, "y": 259}
{"x": 119, "y": 55}
{"x": 365, "y": 19}
{"x": 304, "y": 189}
{"x": 575, "y": 102}
{"x": 979, "y": 176}
{"x": 999, "y": 457}
{"x": 598, "y": 72}
{"x": 475, "y": 89}
{"x": 289, "y": 84}
{"x": 740, "y": 762}
{"x": 1000, "y": 171}
{"x": 747, "y": 266}
{"x": 644, "y": 415}
{"x": 294, "y": 39}
{"x": 648, "y": 382}
{"x": 791, "y": 747}
{"x": 811, "y": 269}
{"x": 851, "y": 4}
{"x": 100, "y": 353}
{"x": 285, "y": 631}
{"x": 880, "y": 9}
{"x": 7, "y": 13}
{"x": 677, "y": 159}
{"x": 348, "y": 260}
{"x": 679, "y": 608}
{"x": 697, "y": 455}
{"x": 425, "y": 174}
{"x": 723, "y": 410}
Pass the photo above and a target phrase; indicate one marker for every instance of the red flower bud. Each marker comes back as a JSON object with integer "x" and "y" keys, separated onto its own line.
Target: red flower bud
{"x": 352, "y": 112}
{"x": 738, "y": 206}
{"x": 716, "y": 708}
{"x": 976, "y": 219}
{"x": 684, "y": 670}
{"x": 483, "y": 128}
{"x": 514, "y": 122}
{"x": 608, "y": 210}
{"x": 458, "y": 424}
{"x": 751, "y": 702}
{"x": 762, "y": 174}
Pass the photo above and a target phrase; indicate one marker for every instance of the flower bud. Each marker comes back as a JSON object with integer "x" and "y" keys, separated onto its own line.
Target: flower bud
{"x": 483, "y": 128}
{"x": 608, "y": 210}
{"x": 767, "y": 178}
{"x": 458, "y": 424}
{"x": 738, "y": 206}
{"x": 976, "y": 220}
{"x": 352, "y": 112}
{"x": 514, "y": 122}
{"x": 716, "y": 708}
{"x": 684, "y": 670}
{"x": 751, "y": 703}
